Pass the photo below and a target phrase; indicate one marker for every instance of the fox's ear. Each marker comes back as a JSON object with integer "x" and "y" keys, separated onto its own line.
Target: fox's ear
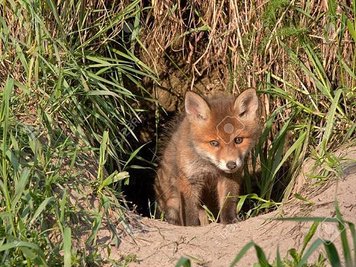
{"x": 246, "y": 104}
{"x": 196, "y": 107}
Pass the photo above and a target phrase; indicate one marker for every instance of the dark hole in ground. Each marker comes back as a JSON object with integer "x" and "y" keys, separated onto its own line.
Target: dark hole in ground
{"x": 139, "y": 193}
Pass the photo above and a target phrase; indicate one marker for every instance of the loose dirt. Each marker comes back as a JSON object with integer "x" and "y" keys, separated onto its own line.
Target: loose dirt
{"x": 157, "y": 243}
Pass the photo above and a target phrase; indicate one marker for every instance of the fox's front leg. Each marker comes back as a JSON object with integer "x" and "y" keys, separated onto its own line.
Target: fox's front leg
{"x": 172, "y": 209}
{"x": 168, "y": 195}
{"x": 181, "y": 206}
{"x": 190, "y": 202}
{"x": 228, "y": 191}
{"x": 182, "y": 210}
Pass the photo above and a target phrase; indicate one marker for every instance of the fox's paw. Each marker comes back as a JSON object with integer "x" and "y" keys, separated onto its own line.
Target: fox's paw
{"x": 172, "y": 217}
{"x": 229, "y": 219}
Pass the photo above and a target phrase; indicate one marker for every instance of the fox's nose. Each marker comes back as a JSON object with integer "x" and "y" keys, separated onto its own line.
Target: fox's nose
{"x": 231, "y": 165}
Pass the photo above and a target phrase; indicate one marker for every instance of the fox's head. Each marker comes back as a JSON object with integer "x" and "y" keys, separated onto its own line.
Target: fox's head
{"x": 223, "y": 129}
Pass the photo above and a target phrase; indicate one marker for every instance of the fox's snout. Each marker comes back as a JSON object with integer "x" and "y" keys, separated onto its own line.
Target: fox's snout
{"x": 228, "y": 166}
{"x": 231, "y": 165}
{"x": 225, "y": 159}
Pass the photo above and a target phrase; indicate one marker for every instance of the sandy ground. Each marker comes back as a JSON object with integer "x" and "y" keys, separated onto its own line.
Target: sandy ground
{"x": 158, "y": 243}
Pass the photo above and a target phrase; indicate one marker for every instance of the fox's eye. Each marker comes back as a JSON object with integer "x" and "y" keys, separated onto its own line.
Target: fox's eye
{"x": 238, "y": 140}
{"x": 214, "y": 143}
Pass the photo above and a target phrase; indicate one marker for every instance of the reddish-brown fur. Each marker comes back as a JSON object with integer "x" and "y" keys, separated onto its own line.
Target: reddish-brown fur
{"x": 194, "y": 170}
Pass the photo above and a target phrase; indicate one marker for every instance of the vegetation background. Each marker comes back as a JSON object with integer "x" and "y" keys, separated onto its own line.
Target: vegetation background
{"x": 86, "y": 87}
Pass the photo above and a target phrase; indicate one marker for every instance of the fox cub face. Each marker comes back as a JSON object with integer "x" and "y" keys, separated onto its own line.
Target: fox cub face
{"x": 223, "y": 130}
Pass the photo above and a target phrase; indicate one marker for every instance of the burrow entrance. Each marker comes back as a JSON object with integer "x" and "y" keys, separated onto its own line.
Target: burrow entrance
{"x": 139, "y": 193}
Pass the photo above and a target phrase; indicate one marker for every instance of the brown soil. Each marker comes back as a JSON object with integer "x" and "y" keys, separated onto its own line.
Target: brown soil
{"x": 158, "y": 243}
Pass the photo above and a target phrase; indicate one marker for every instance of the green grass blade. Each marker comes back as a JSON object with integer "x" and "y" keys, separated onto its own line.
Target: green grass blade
{"x": 343, "y": 234}
{"x": 353, "y": 235}
{"x": 67, "y": 247}
{"x": 113, "y": 178}
{"x": 309, "y": 236}
{"x": 332, "y": 254}
{"x": 261, "y": 257}
{"x": 133, "y": 155}
{"x": 20, "y": 186}
{"x": 242, "y": 253}
{"x": 4, "y": 122}
{"x": 183, "y": 262}
{"x": 41, "y": 208}
{"x": 241, "y": 202}
{"x": 352, "y": 30}
{"x": 294, "y": 254}
{"x": 102, "y": 156}
{"x": 289, "y": 152}
{"x": 19, "y": 244}
{"x": 279, "y": 262}
{"x": 330, "y": 120}
{"x": 313, "y": 247}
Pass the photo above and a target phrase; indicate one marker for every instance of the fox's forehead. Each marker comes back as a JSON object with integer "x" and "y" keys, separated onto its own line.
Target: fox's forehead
{"x": 221, "y": 107}
{"x": 224, "y": 128}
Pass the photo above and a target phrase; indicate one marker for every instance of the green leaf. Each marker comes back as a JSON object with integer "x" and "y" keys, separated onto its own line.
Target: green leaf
{"x": 279, "y": 262}
{"x": 351, "y": 29}
{"x": 332, "y": 254}
{"x": 261, "y": 257}
{"x": 24, "y": 244}
{"x": 314, "y": 246}
{"x": 242, "y": 253}
{"x": 330, "y": 120}
{"x": 41, "y": 208}
{"x": 133, "y": 155}
{"x": 309, "y": 236}
{"x": 353, "y": 235}
{"x": 20, "y": 186}
{"x": 67, "y": 247}
{"x": 113, "y": 178}
{"x": 344, "y": 241}
{"x": 294, "y": 254}
{"x": 183, "y": 262}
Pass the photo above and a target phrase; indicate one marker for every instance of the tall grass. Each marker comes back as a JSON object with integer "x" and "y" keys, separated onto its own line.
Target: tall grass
{"x": 65, "y": 72}
{"x": 78, "y": 61}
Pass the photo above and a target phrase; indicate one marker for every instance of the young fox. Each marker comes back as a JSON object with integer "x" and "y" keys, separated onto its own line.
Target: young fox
{"x": 204, "y": 157}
